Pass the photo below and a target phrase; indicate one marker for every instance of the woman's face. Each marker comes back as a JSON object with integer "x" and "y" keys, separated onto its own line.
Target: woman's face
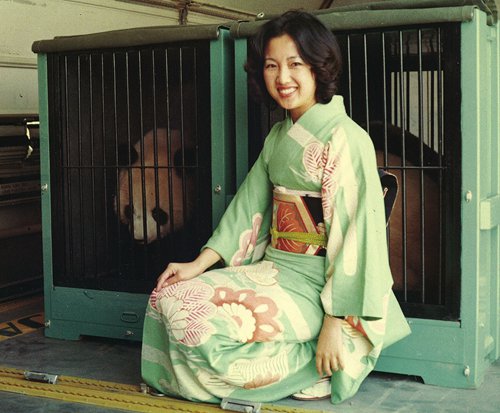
{"x": 289, "y": 80}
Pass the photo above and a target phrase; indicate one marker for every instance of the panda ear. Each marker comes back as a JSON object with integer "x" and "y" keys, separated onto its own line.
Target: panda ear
{"x": 189, "y": 160}
{"x": 126, "y": 151}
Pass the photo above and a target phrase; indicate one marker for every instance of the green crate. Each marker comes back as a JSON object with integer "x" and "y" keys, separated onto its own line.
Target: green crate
{"x": 85, "y": 305}
{"x": 454, "y": 341}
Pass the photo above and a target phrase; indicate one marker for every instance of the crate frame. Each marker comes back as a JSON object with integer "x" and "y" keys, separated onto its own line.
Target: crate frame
{"x": 469, "y": 344}
{"x": 73, "y": 312}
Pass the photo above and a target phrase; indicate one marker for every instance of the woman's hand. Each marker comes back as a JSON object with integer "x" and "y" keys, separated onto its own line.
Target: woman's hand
{"x": 330, "y": 350}
{"x": 176, "y": 272}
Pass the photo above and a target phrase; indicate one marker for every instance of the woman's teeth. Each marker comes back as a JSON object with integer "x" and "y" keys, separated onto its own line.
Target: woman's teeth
{"x": 287, "y": 91}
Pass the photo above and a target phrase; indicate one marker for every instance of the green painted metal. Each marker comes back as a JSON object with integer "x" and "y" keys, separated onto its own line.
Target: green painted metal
{"x": 480, "y": 182}
{"x": 490, "y": 212}
{"x": 222, "y": 132}
{"x": 241, "y": 109}
{"x": 75, "y": 312}
{"x": 140, "y": 36}
{"x": 459, "y": 357}
{"x": 70, "y": 312}
{"x": 434, "y": 351}
{"x": 495, "y": 184}
{"x": 488, "y": 6}
{"x": 43, "y": 109}
{"x": 368, "y": 19}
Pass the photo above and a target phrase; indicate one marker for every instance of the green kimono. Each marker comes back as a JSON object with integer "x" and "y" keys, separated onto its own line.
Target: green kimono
{"x": 250, "y": 330}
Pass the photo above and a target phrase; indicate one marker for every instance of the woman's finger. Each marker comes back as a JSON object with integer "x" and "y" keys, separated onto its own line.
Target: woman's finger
{"x": 169, "y": 272}
{"x": 341, "y": 362}
{"x": 159, "y": 283}
{"x": 171, "y": 280}
{"x": 327, "y": 368}
{"x": 319, "y": 367}
{"x": 334, "y": 365}
{"x": 323, "y": 366}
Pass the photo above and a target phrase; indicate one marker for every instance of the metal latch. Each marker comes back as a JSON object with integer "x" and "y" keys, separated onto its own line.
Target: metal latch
{"x": 40, "y": 377}
{"x": 240, "y": 405}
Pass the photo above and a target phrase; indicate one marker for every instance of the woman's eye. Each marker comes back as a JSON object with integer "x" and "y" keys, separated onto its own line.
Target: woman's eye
{"x": 270, "y": 66}
{"x": 296, "y": 64}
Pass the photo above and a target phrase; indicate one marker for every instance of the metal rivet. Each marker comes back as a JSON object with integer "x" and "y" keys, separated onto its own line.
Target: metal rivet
{"x": 467, "y": 371}
{"x": 468, "y": 196}
{"x": 218, "y": 189}
{"x": 47, "y": 324}
{"x": 129, "y": 333}
{"x": 44, "y": 187}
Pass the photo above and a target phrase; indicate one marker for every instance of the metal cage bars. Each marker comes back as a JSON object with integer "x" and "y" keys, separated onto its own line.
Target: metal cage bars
{"x": 393, "y": 84}
{"x": 411, "y": 85}
{"x": 84, "y": 161}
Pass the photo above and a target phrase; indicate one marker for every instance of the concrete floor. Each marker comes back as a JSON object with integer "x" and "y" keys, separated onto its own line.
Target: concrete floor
{"x": 119, "y": 361}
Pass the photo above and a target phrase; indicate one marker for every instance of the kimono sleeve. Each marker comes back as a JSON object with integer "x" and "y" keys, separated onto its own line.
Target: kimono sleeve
{"x": 243, "y": 232}
{"x": 357, "y": 268}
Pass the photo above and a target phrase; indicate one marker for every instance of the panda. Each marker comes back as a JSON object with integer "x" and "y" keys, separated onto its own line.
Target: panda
{"x": 155, "y": 196}
{"x": 405, "y": 233}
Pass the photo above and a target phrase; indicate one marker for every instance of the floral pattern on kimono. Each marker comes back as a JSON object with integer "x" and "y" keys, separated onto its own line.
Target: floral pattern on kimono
{"x": 250, "y": 330}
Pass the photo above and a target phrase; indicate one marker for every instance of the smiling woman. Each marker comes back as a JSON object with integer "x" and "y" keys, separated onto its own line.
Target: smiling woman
{"x": 312, "y": 303}
{"x": 289, "y": 80}
{"x": 316, "y": 49}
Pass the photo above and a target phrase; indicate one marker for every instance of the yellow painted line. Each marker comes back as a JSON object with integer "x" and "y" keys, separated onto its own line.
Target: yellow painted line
{"x": 112, "y": 395}
{"x": 21, "y": 326}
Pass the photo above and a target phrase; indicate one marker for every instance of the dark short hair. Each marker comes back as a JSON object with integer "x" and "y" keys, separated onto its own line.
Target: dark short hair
{"x": 316, "y": 45}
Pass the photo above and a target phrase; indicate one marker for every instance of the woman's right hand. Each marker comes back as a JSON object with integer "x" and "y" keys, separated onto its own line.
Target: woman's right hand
{"x": 330, "y": 350}
{"x": 176, "y": 272}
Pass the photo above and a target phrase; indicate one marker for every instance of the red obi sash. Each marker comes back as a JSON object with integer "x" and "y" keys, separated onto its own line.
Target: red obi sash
{"x": 297, "y": 224}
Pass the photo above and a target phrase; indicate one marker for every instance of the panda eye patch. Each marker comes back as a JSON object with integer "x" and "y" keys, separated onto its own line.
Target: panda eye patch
{"x": 128, "y": 211}
{"x": 160, "y": 216}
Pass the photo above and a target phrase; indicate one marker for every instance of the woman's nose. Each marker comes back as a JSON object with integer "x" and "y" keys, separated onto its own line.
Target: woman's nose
{"x": 283, "y": 75}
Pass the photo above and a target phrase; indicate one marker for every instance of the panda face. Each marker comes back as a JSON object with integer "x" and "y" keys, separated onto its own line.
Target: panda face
{"x": 154, "y": 196}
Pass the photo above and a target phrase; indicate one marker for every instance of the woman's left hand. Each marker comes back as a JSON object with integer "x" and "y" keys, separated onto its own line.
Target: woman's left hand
{"x": 330, "y": 351}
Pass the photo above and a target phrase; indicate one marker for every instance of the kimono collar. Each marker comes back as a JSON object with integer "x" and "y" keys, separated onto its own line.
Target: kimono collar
{"x": 320, "y": 114}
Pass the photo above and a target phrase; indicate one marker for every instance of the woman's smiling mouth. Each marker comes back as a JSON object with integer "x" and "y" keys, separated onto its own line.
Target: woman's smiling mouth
{"x": 286, "y": 92}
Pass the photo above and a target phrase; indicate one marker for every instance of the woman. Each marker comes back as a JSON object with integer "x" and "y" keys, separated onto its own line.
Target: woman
{"x": 315, "y": 301}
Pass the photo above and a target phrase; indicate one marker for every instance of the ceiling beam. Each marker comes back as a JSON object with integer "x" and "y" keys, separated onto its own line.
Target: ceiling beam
{"x": 186, "y": 6}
